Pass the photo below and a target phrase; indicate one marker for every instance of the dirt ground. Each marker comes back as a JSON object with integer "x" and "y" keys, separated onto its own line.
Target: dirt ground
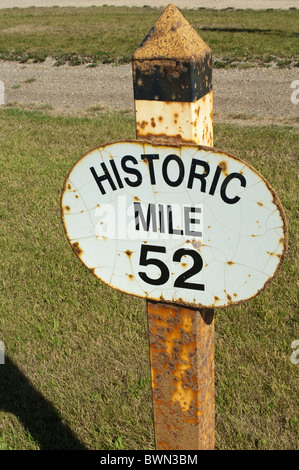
{"x": 241, "y": 95}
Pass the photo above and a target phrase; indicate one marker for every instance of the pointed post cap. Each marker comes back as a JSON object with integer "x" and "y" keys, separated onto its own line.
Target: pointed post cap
{"x": 172, "y": 37}
{"x": 172, "y": 63}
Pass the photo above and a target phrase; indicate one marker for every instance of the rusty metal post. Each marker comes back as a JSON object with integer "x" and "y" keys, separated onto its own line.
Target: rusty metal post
{"x": 172, "y": 77}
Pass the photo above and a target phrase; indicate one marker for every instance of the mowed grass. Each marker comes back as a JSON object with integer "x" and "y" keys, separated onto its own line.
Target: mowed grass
{"x": 112, "y": 34}
{"x": 77, "y": 371}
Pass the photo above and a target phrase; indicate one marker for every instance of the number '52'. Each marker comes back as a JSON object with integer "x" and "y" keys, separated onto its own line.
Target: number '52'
{"x": 145, "y": 260}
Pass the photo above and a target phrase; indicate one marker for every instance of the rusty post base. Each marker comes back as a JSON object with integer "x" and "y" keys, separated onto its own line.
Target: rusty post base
{"x": 182, "y": 367}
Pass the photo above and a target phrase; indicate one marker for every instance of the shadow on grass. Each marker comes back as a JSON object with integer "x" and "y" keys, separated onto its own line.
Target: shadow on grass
{"x": 227, "y": 29}
{"x": 36, "y": 413}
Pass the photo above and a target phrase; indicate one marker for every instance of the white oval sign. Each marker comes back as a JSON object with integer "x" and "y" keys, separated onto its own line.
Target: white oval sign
{"x": 182, "y": 224}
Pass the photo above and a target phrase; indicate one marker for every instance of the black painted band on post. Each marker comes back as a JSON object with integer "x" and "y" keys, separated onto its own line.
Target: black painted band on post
{"x": 169, "y": 80}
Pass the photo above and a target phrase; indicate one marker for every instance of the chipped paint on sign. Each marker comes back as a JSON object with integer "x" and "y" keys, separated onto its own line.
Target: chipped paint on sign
{"x": 227, "y": 245}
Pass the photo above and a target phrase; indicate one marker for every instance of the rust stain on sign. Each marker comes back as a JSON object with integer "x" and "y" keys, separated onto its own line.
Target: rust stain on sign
{"x": 77, "y": 249}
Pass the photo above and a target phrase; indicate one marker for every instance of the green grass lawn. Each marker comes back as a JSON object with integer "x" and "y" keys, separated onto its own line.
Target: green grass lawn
{"x": 77, "y": 362}
{"x": 112, "y": 34}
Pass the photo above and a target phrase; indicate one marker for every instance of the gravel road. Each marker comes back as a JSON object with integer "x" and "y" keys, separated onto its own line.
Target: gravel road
{"x": 244, "y": 94}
